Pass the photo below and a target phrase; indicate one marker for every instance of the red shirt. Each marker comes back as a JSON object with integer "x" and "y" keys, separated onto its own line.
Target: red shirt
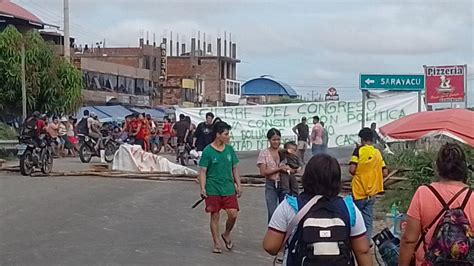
{"x": 166, "y": 128}
{"x": 141, "y": 133}
{"x": 40, "y": 124}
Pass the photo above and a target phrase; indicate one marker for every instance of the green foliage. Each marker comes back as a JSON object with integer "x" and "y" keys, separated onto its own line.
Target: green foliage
{"x": 421, "y": 170}
{"x": 53, "y": 85}
{"x": 420, "y": 163}
{"x": 7, "y": 132}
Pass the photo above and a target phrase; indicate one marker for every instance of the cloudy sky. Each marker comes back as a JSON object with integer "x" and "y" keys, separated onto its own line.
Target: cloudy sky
{"x": 311, "y": 44}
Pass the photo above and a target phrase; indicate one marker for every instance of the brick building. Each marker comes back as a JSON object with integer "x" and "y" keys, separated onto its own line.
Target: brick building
{"x": 199, "y": 77}
{"x": 128, "y": 75}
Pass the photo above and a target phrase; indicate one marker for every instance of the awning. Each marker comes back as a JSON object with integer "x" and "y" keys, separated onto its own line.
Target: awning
{"x": 457, "y": 124}
{"x": 155, "y": 113}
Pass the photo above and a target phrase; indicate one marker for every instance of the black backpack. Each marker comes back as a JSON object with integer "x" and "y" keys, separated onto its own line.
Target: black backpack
{"x": 82, "y": 127}
{"x": 323, "y": 235}
{"x": 29, "y": 127}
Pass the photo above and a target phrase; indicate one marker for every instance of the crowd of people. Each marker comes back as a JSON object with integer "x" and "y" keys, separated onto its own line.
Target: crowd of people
{"x": 316, "y": 226}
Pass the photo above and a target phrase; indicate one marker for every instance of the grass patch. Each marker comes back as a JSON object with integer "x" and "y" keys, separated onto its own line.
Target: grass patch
{"x": 7, "y": 132}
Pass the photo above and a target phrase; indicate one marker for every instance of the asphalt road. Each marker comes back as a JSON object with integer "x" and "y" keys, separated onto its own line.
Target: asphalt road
{"x": 103, "y": 221}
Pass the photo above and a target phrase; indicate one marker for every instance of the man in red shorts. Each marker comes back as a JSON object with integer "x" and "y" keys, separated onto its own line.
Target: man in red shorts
{"x": 220, "y": 184}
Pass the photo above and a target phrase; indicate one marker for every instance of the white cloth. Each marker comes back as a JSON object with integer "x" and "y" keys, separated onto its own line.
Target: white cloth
{"x": 130, "y": 158}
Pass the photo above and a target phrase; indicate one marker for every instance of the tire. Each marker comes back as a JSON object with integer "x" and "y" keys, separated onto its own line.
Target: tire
{"x": 26, "y": 163}
{"x": 85, "y": 153}
{"x": 110, "y": 149}
{"x": 155, "y": 148}
{"x": 47, "y": 163}
{"x": 159, "y": 146}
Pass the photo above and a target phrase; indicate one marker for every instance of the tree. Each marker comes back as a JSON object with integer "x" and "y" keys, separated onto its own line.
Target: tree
{"x": 53, "y": 85}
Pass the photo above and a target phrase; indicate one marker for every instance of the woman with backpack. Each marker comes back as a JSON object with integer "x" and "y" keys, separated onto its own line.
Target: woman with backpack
{"x": 318, "y": 227}
{"x": 448, "y": 230}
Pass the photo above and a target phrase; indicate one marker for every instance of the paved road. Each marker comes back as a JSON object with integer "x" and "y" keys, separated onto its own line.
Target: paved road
{"x": 248, "y": 161}
{"x": 101, "y": 221}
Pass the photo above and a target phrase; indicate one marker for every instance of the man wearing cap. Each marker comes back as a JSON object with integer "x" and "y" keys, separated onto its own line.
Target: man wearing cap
{"x": 302, "y": 131}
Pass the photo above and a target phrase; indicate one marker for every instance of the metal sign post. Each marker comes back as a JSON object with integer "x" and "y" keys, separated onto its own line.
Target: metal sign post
{"x": 465, "y": 86}
{"x": 364, "y": 92}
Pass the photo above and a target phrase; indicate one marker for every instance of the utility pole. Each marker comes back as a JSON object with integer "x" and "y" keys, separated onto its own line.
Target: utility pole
{"x": 23, "y": 81}
{"x": 67, "y": 52}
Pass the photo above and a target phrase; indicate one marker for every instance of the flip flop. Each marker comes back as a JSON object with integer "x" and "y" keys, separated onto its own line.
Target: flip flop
{"x": 217, "y": 251}
{"x": 228, "y": 245}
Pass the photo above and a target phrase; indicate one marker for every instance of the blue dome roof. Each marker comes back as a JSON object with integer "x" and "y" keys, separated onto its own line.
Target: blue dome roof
{"x": 266, "y": 86}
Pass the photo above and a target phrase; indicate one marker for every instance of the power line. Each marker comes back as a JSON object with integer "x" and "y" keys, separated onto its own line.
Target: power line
{"x": 79, "y": 30}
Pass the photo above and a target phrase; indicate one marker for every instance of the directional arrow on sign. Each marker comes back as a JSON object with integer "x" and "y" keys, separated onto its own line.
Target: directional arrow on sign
{"x": 369, "y": 81}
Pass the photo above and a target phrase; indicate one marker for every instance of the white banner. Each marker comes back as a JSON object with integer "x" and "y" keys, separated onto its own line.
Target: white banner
{"x": 342, "y": 119}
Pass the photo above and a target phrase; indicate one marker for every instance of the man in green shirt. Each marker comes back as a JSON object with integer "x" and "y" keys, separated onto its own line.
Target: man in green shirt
{"x": 220, "y": 183}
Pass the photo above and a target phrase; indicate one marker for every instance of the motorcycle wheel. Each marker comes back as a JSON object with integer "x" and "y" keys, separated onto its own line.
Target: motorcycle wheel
{"x": 85, "y": 153}
{"x": 47, "y": 163}
{"x": 26, "y": 163}
{"x": 184, "y": 159}
{"x": 155, "y": 148}
{"x": 110, "y": 150}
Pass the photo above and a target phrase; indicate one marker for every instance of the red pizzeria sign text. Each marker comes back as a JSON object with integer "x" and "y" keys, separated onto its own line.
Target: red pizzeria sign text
{"x": 445, "y": 83}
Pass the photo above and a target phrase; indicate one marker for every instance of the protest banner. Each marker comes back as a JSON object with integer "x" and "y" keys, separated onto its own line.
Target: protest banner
{"x": 342, "y": 119}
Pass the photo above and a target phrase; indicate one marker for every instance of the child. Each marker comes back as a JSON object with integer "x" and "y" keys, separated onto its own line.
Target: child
{"x": 288, "y": 182}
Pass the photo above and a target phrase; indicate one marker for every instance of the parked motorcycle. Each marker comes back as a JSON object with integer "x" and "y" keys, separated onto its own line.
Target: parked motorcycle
{"x": 183, "y": 153}
{"x": 88, "y": 148}
{"x": 34, "y": 153}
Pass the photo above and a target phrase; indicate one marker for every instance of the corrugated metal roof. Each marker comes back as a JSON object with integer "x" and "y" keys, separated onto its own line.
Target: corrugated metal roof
{"x": 155, "y": 114}
{"x": 266, "y": 85}
{"x": 12, "y": 9}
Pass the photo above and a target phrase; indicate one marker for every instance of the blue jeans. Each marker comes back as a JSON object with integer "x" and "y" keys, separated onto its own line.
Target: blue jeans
{"x": 366, "y": 207}
{"x": 154, "y": 140}
{"x": 272, "y": 194}
{"x": 317, "y": 149}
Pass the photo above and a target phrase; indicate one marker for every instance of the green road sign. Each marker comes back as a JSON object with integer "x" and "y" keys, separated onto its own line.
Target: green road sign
{"x": 392, "y": 82}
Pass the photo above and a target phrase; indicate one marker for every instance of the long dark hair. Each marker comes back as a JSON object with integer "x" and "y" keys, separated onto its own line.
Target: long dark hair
{"x": 451, "y": 163}
{"x": 322, "y": 176}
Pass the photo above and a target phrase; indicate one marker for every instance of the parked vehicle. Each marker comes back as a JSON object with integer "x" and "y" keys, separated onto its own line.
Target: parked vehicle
{"x": 183, "y": 153}
{"x": 34, "y": 153}
{"x": 88, "y": 148}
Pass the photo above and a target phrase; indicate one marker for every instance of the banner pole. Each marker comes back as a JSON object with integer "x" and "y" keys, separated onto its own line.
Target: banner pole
{"x": 419, "y": 101}
{"x": 465, "y": 86}
{"x": 363, "y": 108}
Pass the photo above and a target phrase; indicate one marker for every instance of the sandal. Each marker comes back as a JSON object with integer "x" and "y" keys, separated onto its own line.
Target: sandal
{"x": 228, "y": 245}
{"x": 217, "y": 251}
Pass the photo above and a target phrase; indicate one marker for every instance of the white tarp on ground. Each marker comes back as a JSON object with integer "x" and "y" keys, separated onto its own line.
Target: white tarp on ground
{"x": 130, "y": 158}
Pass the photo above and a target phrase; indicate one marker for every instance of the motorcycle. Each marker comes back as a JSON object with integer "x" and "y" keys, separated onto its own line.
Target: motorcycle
{"x": 88, "y": 148}
{"x": 33, "y": 154}
{"x": 183, "y": 153}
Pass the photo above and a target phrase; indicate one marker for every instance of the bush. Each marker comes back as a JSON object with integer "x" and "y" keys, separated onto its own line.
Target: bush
{"x": 420, "y": 166}
{"x": 7, "y": 132}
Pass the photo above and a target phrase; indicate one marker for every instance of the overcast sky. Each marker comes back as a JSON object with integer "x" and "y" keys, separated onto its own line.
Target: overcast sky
{"x": 311, "y": 45}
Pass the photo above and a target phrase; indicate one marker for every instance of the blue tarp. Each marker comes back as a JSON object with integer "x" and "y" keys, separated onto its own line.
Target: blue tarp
{"x": 155, "y": 113}
{"x": 117, "y": 113}
{"x": 91, "y": 109}
{"x": 106, "y": 113}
